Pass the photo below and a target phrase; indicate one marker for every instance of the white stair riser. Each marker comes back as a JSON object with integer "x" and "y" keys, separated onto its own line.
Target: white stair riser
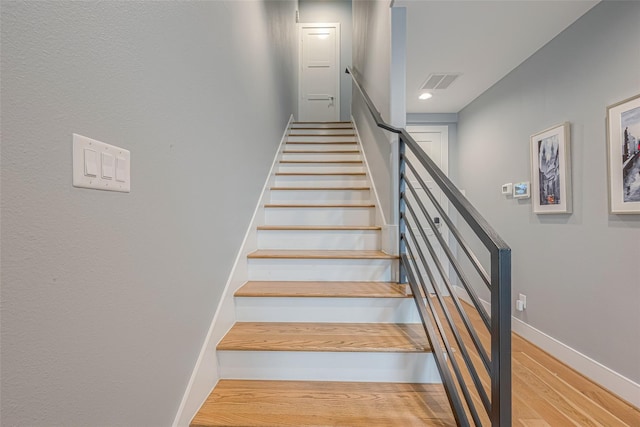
{"x": 321, "y": 156}
{"x": 335, "y": 310}
{"x": 319, "y": 239}
{"x": 320, "y": 131}
{"x": 319, "y": 196}
{"x": 319, "y": 216}
{"x": 329, "y": 366}
{"x": 321, "y": 181}
{"x": 359, "y": 270}
{"x": 324, "y": 146}
{"x": 321, "y": 138}
{"x": 321, "y": 167}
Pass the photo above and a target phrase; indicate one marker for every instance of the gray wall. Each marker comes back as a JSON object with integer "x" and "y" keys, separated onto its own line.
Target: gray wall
{"x": 319, "y": 11}
{"x": 107, "y": 297}
{"x": 580, "y": 272}
{"x": 371, "y": 62}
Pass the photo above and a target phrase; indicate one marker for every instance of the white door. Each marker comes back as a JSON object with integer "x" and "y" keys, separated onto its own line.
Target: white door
{"x": 434, "y": 141}
{"x": 319, "y": 73}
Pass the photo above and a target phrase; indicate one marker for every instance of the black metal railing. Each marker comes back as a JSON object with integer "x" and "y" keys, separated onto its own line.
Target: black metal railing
{"x": 477, "y": 381}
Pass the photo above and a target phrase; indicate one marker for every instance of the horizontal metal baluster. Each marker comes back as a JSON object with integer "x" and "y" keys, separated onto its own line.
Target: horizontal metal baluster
{"x": 441, "y": 363}
{"x": 499, "y": 283}
{"x": 467, "y": 211}
{"x": 474, "y": 260}
{"x": 456, "y": 233}
{"x": 445, "y": 340}
{"x": 467, "y": 323}
{"x": 463, "y": 348}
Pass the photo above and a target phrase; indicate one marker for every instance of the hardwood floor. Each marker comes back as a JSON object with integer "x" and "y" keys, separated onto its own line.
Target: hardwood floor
{"x": 319, "y": 254}
{"x": 546, "y": 393}
{"x": 320, "y": 227}
{"x": 319, "y": 206}
{"x": 307, "y": 403}
{"x": 557, "y": 393}
{"x": 321, "y": 290}
{"x": 334, "y": 337}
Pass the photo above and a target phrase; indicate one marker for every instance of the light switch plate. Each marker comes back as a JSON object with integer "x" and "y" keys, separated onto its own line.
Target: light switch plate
{"x": 83, "y": 176}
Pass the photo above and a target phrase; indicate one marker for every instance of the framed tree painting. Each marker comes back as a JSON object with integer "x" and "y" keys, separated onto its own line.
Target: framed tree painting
{"x": 623, "y": 148}
{"x": 551, "y": 170}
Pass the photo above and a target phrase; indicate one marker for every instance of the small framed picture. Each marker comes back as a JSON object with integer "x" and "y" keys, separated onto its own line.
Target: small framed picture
{"x": 623, "y": 149}
{"x": 551, "y": 170}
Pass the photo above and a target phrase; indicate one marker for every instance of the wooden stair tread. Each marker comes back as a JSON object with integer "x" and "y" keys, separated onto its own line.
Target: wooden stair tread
{"x": 322, "y": 142}
{"x": 321, "y": 128}
{"x": 321, "y": 161}
{"x": 325, "y": 337}
{"x": 328, "y": 205}
{"x": 321, "y": 188}
{"x": 318, "y": 254}
{"x": 322, "y": 123}
{"x": 320, "y": 227}
{"x": 320, "y": 173}
{"x": 321, "y": 152}
{"x": 322, "y": 290}
{"x": 237, "y": 403}
{"x": 325, "y": 135}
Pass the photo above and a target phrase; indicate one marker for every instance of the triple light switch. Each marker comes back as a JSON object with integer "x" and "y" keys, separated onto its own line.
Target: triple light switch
{"x": 100, "y": 166}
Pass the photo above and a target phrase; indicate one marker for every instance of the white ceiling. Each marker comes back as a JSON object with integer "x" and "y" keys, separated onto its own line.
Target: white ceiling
{"x": 482, "y": 40}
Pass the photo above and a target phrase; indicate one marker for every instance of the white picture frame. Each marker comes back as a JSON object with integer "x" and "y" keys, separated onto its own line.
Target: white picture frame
{"x": 551, "y": 170}
{"x": 623, "y": 156}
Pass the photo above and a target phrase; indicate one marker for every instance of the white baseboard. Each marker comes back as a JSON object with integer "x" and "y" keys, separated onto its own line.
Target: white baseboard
{"x": 592, "y": 369}
{"x": 205, "y": 373}
{"x": 387, "y": 245}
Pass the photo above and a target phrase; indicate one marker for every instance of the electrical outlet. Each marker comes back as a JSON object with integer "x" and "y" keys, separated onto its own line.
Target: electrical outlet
{"x": 523, "y": 298}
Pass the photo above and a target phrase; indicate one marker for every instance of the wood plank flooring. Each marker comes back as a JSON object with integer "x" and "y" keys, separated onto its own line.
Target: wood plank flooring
{"x": 321, "y": 142}
{"x": 304, "y": 162}
{"x": 320, "y": 173}
{"x": 321, "y": 152}
{"x": 546, "y": 392}
{"x": 320, "y": 188}
{"x": 322, "y": 290}
{"x": 320, "y": 227}
{"x": 318, "y": 254}
{"x": 300, "y": 403}
{"x": 335, "y": 337}
{"x": 316, "y": 206}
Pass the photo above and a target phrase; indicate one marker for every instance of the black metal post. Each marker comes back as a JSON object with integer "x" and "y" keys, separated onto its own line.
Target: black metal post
{"x": 401, "y": 209}
{"x": 501, "y": 338}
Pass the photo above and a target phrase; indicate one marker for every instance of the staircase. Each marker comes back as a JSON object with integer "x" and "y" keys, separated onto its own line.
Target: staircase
{"x": 323, "y": 335}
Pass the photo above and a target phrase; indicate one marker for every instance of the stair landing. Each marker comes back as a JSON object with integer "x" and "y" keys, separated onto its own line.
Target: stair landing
{"x": 316, "y": 403}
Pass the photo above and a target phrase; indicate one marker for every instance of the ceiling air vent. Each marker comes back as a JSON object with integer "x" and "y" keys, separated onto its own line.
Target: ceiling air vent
{"x": 439, "y": 81}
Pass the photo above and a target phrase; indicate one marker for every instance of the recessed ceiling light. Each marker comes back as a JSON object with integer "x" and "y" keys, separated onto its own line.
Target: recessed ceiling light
{"x": 425, "y": 95}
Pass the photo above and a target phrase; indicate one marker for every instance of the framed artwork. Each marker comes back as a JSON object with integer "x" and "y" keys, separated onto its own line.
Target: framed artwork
{"x": 551, "y": 170}
{"x": 623, "y": 149}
